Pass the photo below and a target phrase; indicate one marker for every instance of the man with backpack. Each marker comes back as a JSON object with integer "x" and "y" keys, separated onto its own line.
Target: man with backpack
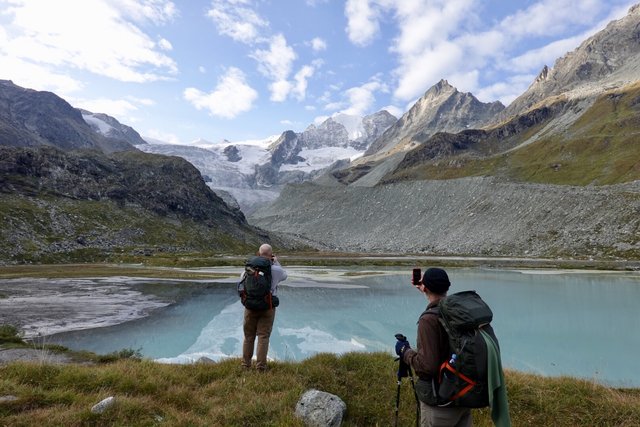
{"x": 258, "y": 288}
{"x": 457, "y": 359}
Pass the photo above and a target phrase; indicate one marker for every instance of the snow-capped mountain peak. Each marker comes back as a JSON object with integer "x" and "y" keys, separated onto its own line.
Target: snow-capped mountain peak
{"x": 353, "y": 124}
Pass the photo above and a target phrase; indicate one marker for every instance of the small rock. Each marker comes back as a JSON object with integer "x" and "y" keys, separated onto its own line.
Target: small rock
{"x": 320, "y": 409}
{"x": 206, "y": 360}
{"x": 103, "y": 405}
{"x": 4, "y": 399}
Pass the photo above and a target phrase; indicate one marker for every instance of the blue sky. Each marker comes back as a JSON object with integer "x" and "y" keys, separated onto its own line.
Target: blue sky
{"x": 180, "y": 71}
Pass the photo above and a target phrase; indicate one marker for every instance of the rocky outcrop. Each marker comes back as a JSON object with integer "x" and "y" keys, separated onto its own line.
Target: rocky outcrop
{"x": 30, "y": 118}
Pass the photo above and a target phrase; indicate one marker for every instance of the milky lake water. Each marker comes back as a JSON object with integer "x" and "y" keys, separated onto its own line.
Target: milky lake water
{"x": 582, "y": 324}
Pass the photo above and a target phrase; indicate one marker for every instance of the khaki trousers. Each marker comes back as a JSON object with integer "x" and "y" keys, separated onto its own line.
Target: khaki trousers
{"x": 257, "y": 323}
{"x": 435, "y": 416}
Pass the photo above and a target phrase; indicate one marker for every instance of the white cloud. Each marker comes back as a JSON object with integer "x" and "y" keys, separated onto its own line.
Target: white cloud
{"x": 506, "y": 91}
{"x": 165, "y": 44}
{"x": 276, "y": 62}
{"x": 425, "y": 46}
{"x": 545, "y": 55}
{"x": 157, "y": 12}
{"x": 142, "y": 101}
{"x": 280, "y": 90}
{"x": 38, "y": 77}
{"x": 335, "y": 106}
{"x": 46, "y": 34}
{"x": 362, "y": 21}
{"x": 158, "y": 135}
{"x": 234, "y": 19}
{"x": 416, "y": 73}
{"x": 319, "y": 120}
{"x": 118, "y": 108}
{"x": 358, "y": 100}
{"x": 202, "y": 69}
{"x": 550, "y": 17}
{"x": 362, "y": 98}
{"x": 301, "y": 77}
{"x": 231, "y": 97}
{"x": 318, "y": 44}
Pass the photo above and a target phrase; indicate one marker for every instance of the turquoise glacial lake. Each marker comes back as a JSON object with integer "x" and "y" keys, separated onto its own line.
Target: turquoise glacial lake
{"x": 581, "y": 324}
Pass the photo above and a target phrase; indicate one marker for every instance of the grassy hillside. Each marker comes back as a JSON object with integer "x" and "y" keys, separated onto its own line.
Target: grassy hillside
{"x": 151, "y": 394}
{"x": 49, "y": 229}
{"x": 601, "y": 147}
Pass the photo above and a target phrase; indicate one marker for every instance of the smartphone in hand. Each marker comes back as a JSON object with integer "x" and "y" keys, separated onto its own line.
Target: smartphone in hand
{"x": 415, "y": 280}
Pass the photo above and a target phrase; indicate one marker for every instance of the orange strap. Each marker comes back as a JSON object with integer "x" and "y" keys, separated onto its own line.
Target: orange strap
{"x": 469, "y": 381}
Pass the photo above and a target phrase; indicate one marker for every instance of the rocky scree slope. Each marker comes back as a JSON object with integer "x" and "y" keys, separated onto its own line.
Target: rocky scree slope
{"x": 467, "y": 216}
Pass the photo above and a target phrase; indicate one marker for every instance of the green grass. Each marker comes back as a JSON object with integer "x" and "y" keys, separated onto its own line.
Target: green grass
{"x": 149, "y": 393}
{"x": 109, "y": 232}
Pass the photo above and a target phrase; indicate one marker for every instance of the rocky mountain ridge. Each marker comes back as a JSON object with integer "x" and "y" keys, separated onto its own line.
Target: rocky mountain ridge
{"x": 610, "y": 59}
{"x": 30, "y": 118}
{"x": 441, "y": 109}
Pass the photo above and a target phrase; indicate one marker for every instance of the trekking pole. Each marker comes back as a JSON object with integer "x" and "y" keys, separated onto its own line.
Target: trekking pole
{"x": 397, "y": 402}
{"x": 404, "y": 370}
{"x": 415, "y": 394}
{"x": 399, "y": 376}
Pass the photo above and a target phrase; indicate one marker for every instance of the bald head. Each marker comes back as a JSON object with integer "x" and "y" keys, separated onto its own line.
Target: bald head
{"x": 265, "y": 250}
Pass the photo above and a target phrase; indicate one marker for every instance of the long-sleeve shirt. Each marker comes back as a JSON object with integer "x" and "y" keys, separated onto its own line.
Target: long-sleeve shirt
{"x": 278, "y": 274}
{"x": 432, "y": 346}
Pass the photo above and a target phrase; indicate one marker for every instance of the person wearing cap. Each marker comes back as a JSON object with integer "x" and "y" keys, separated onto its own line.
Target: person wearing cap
{"x": 432, "y": 349}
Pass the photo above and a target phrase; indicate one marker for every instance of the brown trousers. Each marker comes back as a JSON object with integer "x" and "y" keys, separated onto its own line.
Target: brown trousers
{"x": 434, "y": 416}
{"x": 257, "y": 323}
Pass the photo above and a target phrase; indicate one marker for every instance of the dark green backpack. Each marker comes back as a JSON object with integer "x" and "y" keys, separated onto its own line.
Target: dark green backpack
{"x": 463, "y": 378}
{"x": 255, "y": 286}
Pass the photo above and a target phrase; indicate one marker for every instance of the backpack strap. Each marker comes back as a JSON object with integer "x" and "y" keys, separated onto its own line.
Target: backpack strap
{"x": 433, "y": 310}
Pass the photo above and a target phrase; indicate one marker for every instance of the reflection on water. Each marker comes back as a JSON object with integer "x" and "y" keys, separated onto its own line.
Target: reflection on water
{"x": 566, "y": 323}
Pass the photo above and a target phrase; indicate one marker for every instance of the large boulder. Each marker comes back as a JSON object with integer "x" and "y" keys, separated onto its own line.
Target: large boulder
{"x": 320, "y": 409}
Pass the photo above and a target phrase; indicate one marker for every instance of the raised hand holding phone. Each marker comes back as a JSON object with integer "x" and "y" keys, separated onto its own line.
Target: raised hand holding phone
{"x": 415, "y": 280}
